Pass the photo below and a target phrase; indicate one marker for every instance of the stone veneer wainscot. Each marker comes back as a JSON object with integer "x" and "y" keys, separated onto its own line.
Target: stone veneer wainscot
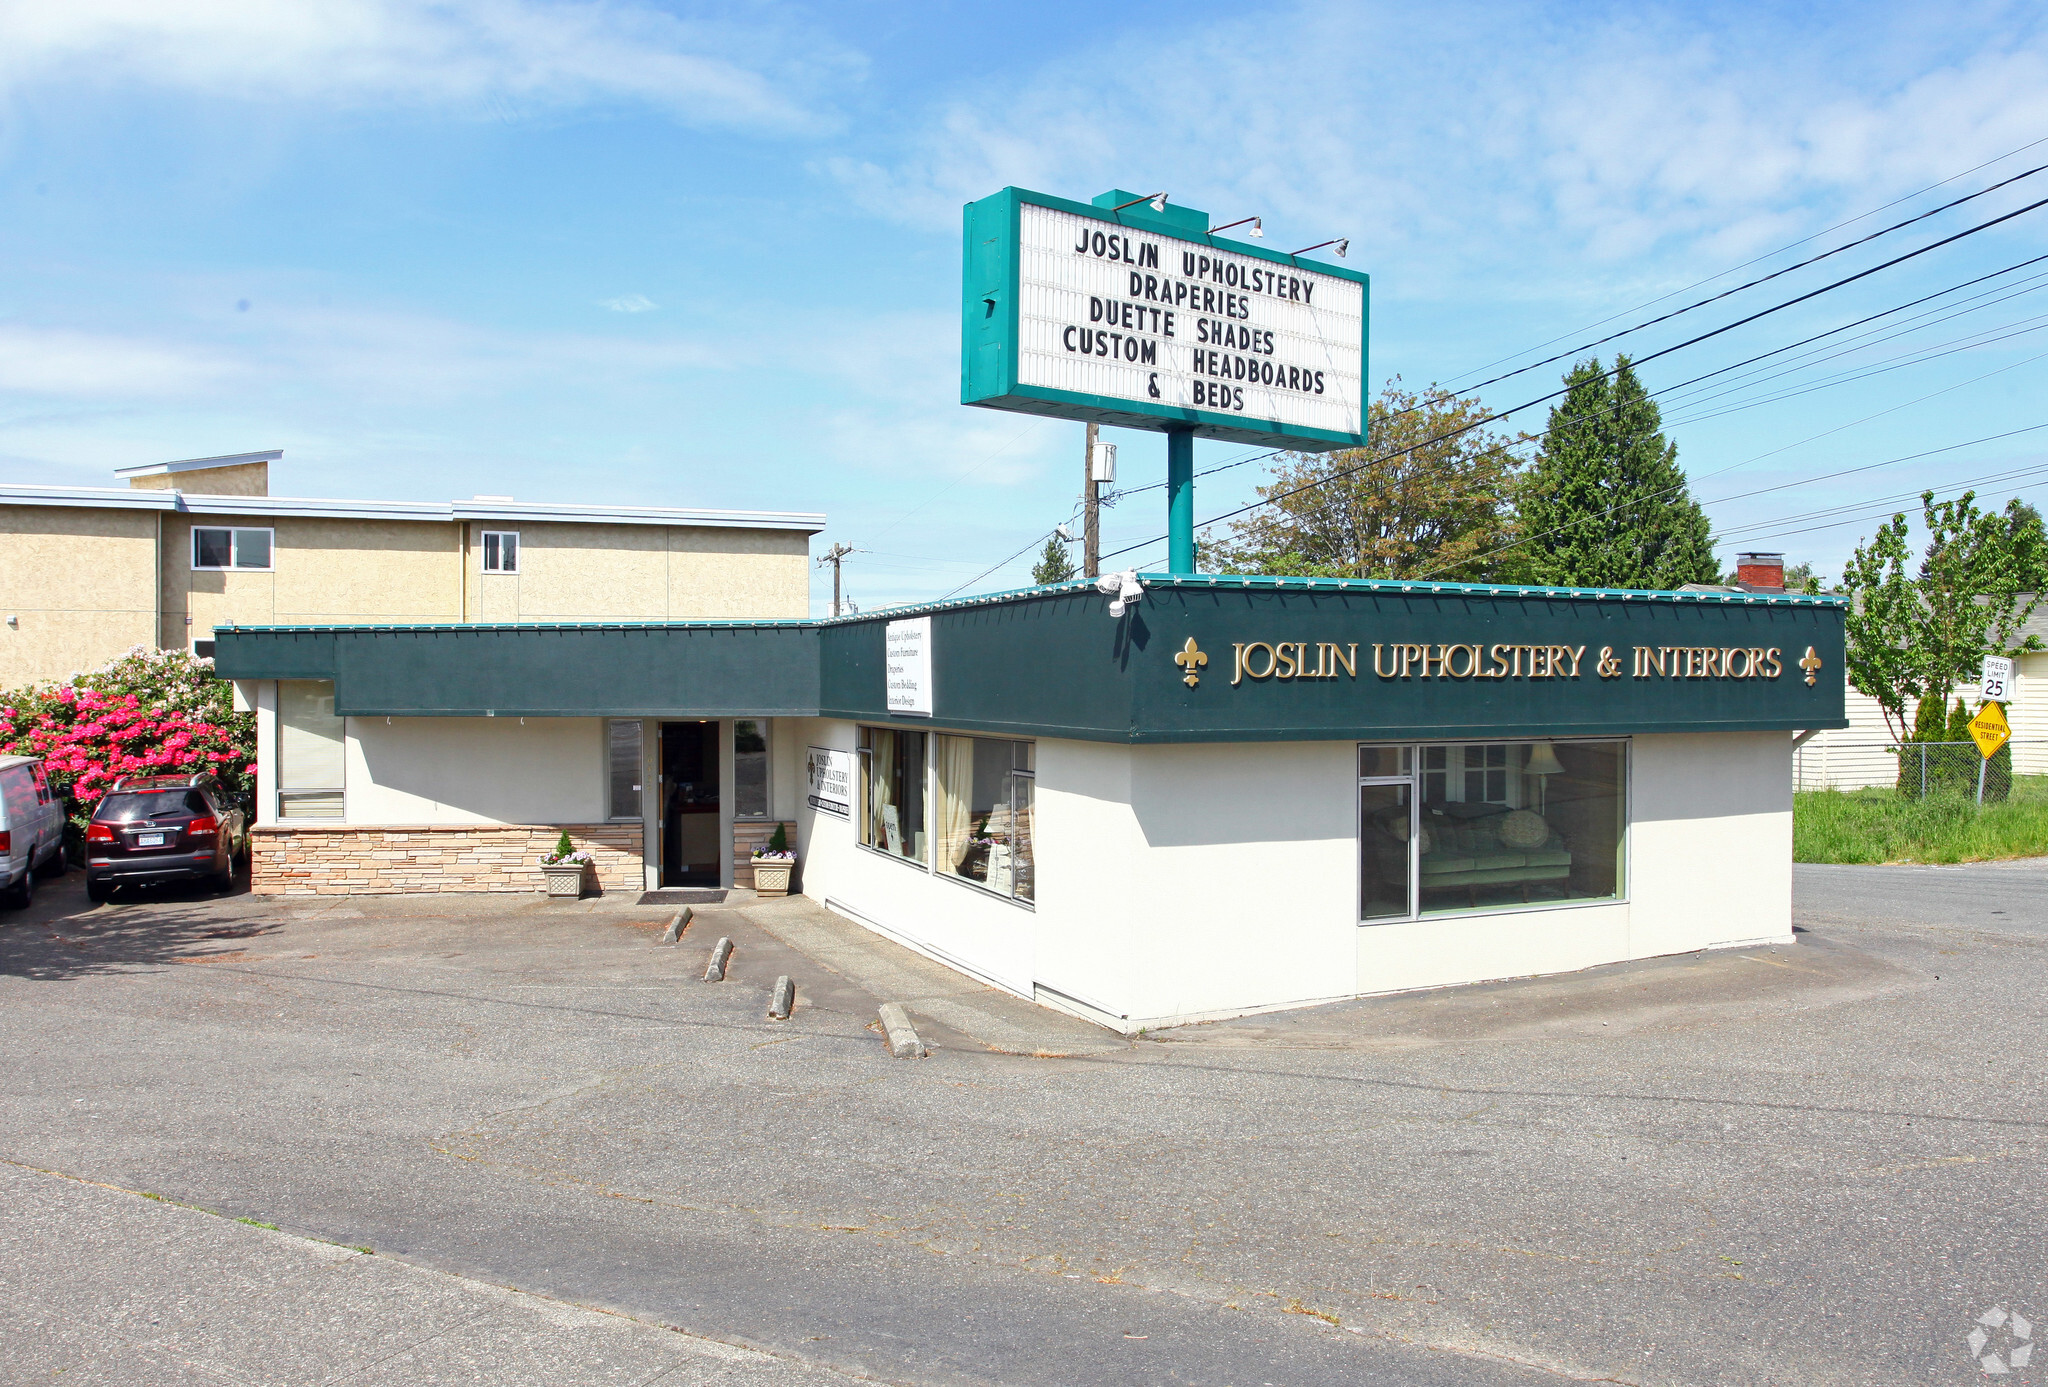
{"x": 338, "y": 859}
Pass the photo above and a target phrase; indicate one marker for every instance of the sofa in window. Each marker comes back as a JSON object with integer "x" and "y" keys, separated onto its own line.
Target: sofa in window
{"x": 1466, "y": 847}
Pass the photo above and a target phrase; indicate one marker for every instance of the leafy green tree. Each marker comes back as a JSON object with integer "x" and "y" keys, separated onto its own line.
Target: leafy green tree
{"x": 1914, "y": 639}
{"x": 1429, "y": 494}
{"x": 1054, "y": 565}
{"x": 1605, "y": 504}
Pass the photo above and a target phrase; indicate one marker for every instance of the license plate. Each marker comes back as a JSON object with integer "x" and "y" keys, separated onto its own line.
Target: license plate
{"x": 149, "y": 840}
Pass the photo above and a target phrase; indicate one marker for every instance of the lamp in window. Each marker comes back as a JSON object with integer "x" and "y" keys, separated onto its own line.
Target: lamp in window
{"x": 1543, "y": 764}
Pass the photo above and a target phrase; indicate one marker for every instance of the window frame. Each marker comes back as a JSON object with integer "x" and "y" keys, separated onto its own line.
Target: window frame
{"x": 611, "y": 810}
{"x": 1012, "y": 776}
{"x": 863, "y": 761}
{"x": 287, "y": 793}
{"x": 234, "y": 534}
{"x": 1415, "y": 780}
{"x": 483, "y": 551}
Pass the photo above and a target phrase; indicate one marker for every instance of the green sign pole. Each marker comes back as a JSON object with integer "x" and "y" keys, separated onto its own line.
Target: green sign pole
{"x": 1180, "y": 501}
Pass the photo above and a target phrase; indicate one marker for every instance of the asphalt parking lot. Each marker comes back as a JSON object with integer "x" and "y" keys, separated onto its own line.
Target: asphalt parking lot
{"x": 367, "y": 1140}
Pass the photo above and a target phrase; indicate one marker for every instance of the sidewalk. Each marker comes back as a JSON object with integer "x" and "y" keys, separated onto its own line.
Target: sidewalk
{"x": 958, "y": 1008}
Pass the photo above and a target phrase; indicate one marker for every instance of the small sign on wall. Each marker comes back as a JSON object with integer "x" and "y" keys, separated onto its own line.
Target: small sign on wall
{"x": 830, "y": 774}
{"x": 907, "y": 658}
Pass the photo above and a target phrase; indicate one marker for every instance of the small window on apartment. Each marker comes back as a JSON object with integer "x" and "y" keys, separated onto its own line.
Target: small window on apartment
{"x": 626, "y": 766}
{"x": 222, "y": 547}
{"x": 202, "y": 649}
{"x": 501, "y": 551}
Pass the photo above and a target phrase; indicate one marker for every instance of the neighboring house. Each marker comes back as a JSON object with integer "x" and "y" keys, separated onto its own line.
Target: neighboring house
{"x": 1859, "y": 755}
{"x": 86, "y": 573}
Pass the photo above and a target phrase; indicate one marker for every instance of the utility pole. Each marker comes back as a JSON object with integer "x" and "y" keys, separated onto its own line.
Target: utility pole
{"x": 1091, "y": 531}
{"x": 833, "y": 556}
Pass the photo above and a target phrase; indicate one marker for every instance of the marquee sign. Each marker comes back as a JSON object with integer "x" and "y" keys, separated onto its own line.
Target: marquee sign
{"x": 1142, "y": 319}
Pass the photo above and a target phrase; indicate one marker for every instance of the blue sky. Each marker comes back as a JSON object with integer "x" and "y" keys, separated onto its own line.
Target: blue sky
{"x": 681, "y": 255}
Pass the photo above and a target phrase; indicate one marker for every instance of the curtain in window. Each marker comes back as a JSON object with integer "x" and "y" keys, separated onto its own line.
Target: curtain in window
{"x": 881, "y": 808}
{"x": 953, "y": 762}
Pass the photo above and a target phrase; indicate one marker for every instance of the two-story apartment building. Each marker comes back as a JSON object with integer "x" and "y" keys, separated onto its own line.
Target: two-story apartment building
{"x": 185, "y": 548}
{"x": 89, "y": 572}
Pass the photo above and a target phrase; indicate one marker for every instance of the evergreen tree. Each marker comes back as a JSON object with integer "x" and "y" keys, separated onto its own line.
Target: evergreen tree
{"x": 1605, "y": 504}
{"x": 1054, "y": 565}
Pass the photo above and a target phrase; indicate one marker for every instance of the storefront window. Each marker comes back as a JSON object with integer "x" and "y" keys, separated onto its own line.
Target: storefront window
{"x": 1491, "y": 825}
{"x": 981, "y": 812}
{"x": 310, "y": 740}
{"x": 892, "y": 817}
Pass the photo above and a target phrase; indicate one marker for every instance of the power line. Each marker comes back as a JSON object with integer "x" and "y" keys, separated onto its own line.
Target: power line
{"x": 1736, "y": 269}
{"x": 1764, "y": 279}
{"x": 1693, "y": 341}
{"x": 1666, "y": 491}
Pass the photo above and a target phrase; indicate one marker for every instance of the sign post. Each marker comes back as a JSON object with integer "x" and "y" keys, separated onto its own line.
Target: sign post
{"x": 1990, "y": 731}
{"x": 1127, "y": 311}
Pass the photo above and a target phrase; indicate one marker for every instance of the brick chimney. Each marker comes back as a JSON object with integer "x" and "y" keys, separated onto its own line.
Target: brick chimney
{"x": 1760, "y": 572}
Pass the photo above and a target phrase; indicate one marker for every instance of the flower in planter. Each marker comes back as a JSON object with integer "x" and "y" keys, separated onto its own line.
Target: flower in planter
{"x": 763, "y": 855}
{"x": 566, "y": 854}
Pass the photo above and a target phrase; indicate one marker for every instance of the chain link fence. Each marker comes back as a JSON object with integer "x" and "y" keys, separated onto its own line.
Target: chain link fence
{"x": 1917, "y": 769}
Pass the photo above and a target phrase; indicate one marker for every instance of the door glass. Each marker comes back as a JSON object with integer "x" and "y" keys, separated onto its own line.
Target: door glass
{"x": 750, "y": 769}
{"x": 1383, "y": 821}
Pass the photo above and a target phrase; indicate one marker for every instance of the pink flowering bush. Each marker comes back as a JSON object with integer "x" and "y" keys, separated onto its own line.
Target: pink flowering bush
{"x": 149, "y": 712}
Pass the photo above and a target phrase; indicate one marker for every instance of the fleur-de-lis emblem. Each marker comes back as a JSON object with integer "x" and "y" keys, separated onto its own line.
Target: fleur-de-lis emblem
{"x": 1809, "y": 662}
{"x": 1191, "y": 659}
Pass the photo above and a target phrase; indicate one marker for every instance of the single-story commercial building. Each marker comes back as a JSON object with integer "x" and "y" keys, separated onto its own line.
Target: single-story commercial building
{"x": 1238, "y": 794}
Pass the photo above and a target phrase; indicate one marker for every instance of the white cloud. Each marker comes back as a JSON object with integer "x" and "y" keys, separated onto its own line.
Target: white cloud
{"x": 1459, "y": 138}
{"x": 476, "y": 53}
{"x": 65, "y": 364}
{"x": 629, "y": 303}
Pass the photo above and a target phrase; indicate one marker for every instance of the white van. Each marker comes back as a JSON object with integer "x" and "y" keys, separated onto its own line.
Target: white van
{"x": 31, "y": 829}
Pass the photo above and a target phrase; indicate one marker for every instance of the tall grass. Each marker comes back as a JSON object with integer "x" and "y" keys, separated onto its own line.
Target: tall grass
{"x": 1884, "y": 826}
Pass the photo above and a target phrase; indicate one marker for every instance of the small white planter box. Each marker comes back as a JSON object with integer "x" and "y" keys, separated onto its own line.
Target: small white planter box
{"x": 771, "y": 878}
{"x": 565, "y": 880}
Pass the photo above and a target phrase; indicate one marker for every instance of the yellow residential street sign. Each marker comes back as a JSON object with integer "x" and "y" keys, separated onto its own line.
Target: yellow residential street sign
{"x": 1989, "y": 730}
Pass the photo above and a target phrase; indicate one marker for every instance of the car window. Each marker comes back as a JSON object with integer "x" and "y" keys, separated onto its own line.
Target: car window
{"x": 150, "y": 804}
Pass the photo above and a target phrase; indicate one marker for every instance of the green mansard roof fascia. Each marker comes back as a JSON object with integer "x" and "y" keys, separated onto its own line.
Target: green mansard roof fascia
{"x": 1047, "y": 661}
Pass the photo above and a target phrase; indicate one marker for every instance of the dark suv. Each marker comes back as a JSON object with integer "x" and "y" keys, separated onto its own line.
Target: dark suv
{"x": 163, "y": 828}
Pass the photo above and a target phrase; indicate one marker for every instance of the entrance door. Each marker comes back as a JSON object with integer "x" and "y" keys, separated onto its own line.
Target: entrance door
{"x": 689, "y": 804}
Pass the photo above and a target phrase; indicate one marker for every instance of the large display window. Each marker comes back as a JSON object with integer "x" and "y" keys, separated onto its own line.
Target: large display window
{"x": 1454, "y": 827}
{"x": 892, "y": 818}
{"x": 982, "y": 792}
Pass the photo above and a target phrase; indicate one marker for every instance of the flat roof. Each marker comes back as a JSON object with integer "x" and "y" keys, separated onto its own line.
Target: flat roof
{"x": 447, "y": 512}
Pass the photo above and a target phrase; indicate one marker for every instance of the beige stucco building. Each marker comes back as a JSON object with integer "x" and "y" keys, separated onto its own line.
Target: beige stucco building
{"x": 86, "y": 573}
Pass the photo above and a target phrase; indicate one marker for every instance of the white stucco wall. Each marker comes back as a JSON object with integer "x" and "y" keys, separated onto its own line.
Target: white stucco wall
{"x": 1183, "y": 882}
{"x": 475, "y": 770}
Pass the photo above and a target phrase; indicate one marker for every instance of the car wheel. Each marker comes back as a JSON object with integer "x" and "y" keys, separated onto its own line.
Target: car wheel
{"x": 24, "y": 892}
{"x": 98, "y": 892}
